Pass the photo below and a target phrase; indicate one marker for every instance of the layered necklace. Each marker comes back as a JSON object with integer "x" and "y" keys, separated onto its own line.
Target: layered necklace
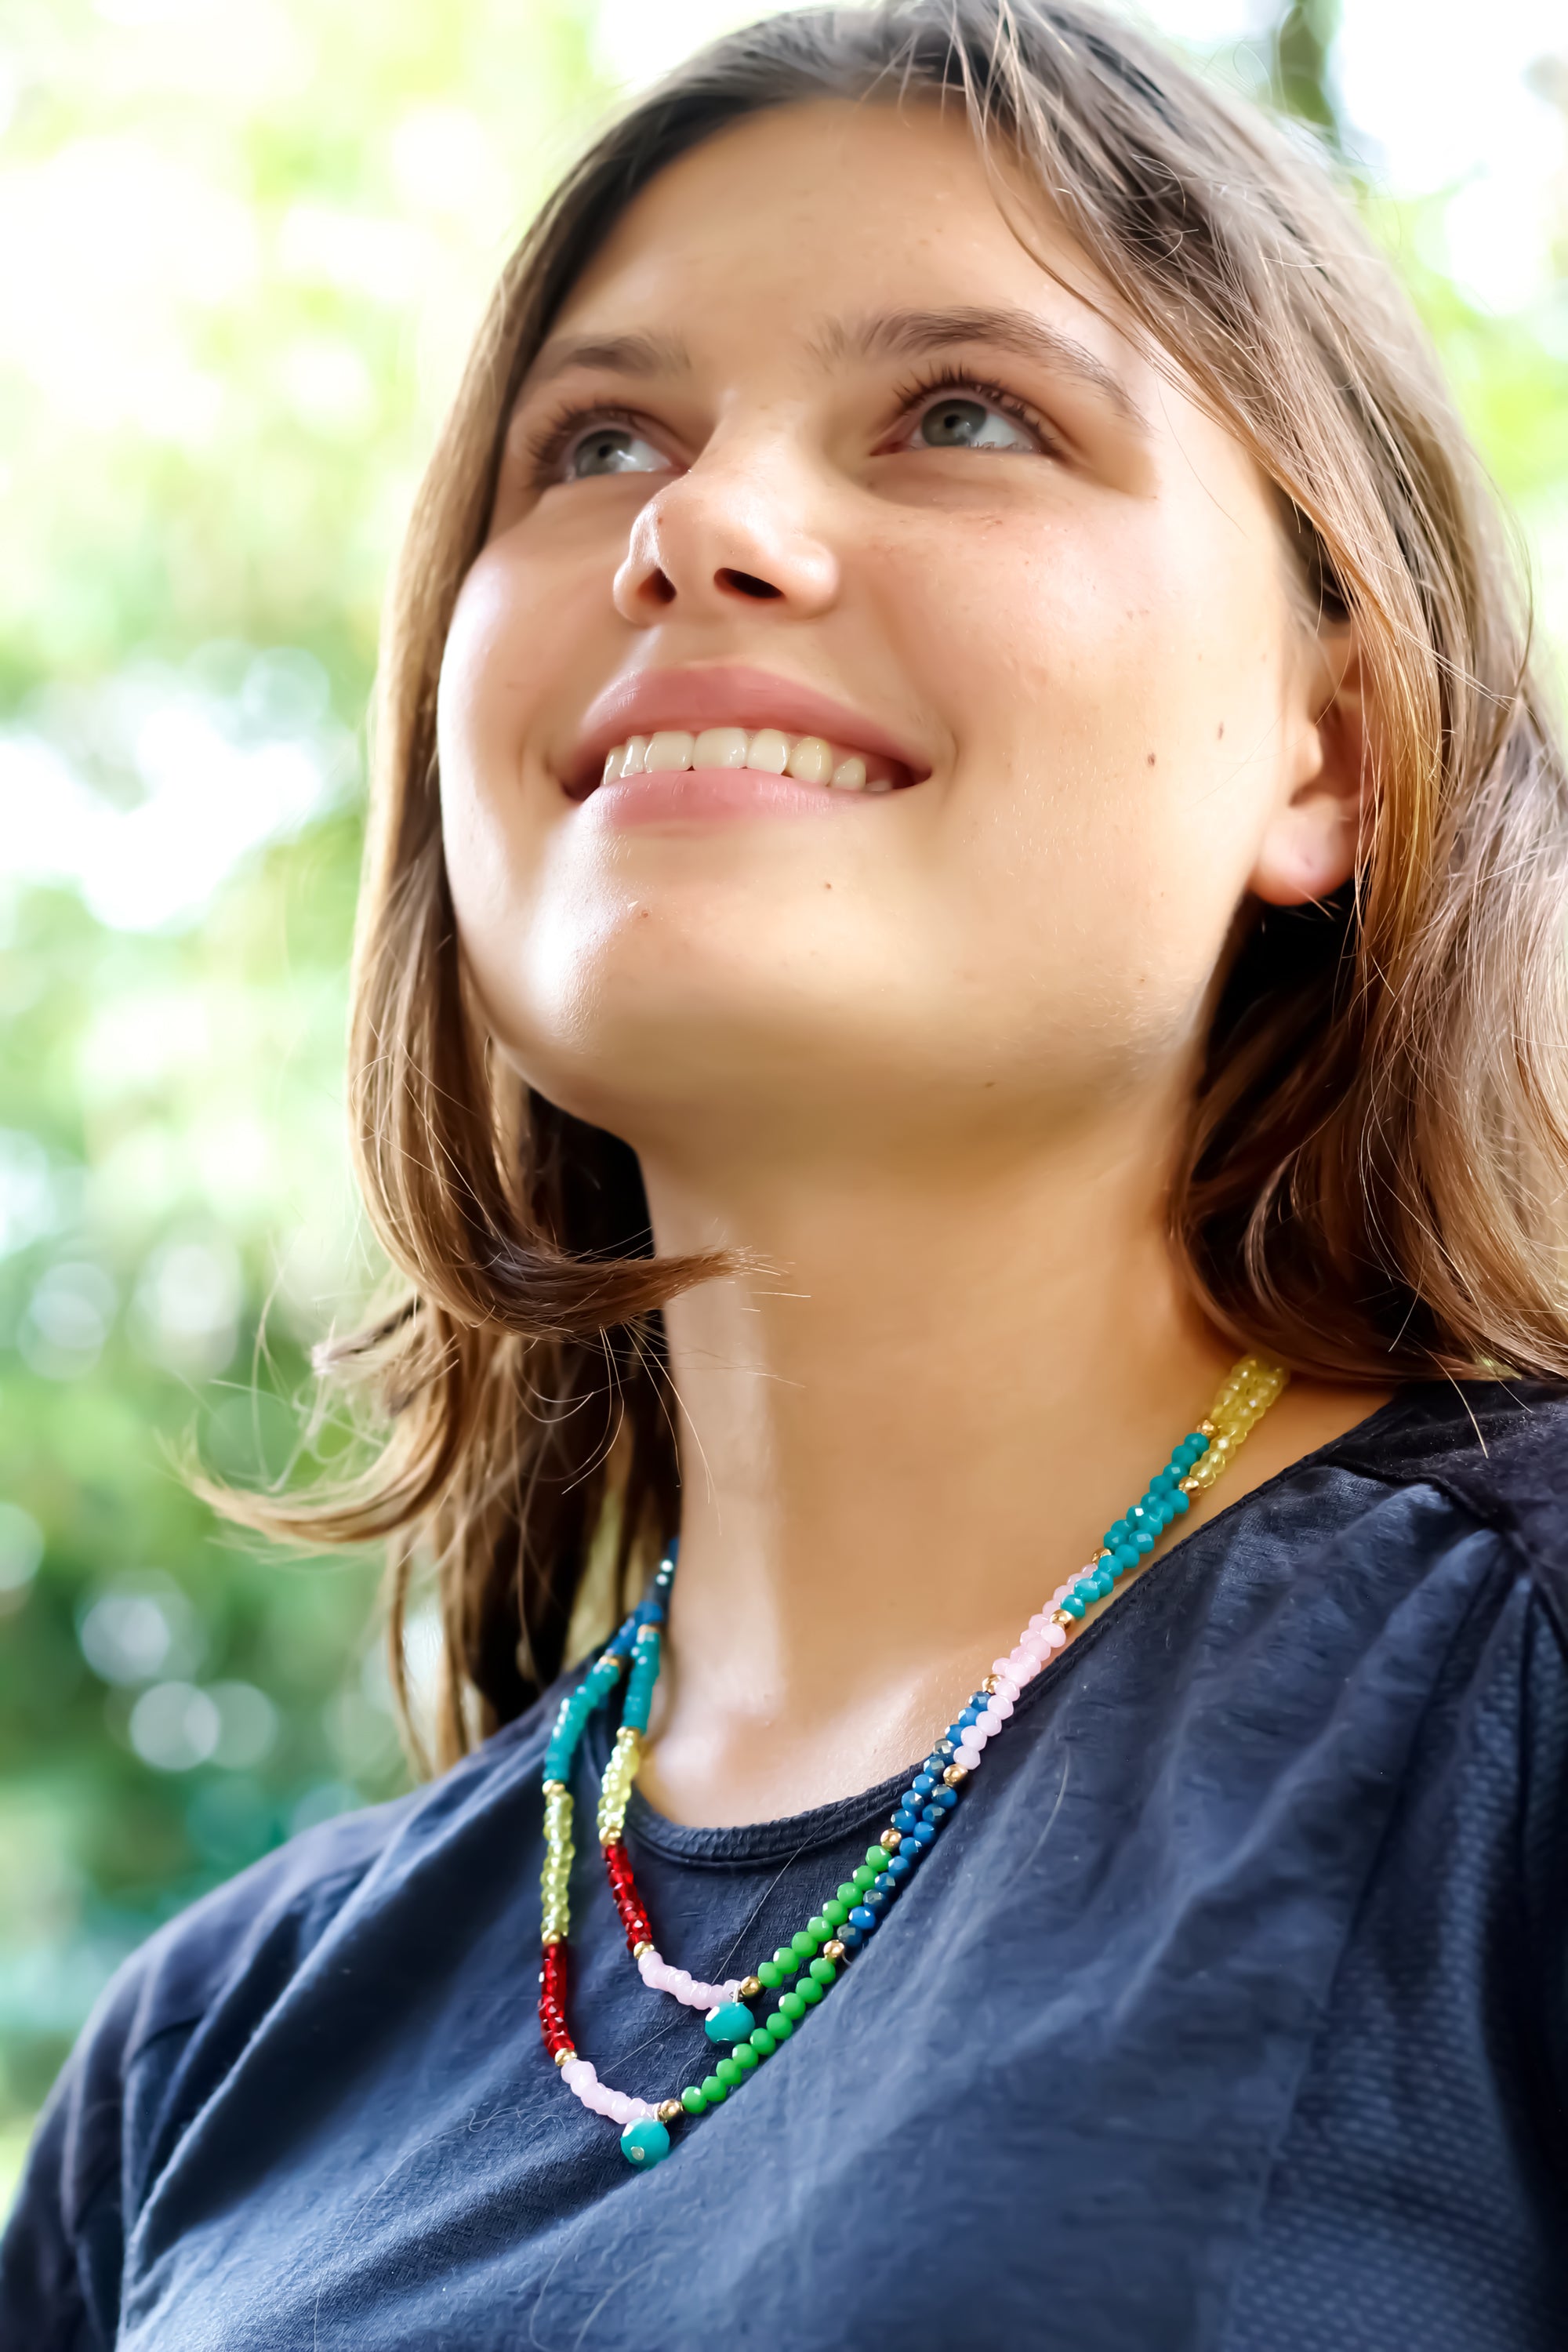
{"x": 801, "y": 1973}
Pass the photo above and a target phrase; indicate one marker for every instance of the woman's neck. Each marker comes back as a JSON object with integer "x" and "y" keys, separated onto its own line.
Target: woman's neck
{"x": 897, "y": 1444}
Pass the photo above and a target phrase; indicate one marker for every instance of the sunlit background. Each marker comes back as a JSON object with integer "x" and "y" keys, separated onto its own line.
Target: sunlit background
{"x": 242, "y": 245}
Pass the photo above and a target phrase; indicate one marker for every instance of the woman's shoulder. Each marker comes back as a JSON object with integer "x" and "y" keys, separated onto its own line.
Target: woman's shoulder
{"x": 1498, "y": 1448}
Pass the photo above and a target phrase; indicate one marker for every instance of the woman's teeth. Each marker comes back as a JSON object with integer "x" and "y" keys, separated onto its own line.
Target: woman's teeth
{"x": 808, "y": 758}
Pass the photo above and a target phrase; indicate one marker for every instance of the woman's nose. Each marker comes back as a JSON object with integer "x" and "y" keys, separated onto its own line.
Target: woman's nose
{"x": 725, "y": 535}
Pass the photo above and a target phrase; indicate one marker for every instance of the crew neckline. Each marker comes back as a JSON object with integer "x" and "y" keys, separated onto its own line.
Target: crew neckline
{"x": 743, "y": 1845}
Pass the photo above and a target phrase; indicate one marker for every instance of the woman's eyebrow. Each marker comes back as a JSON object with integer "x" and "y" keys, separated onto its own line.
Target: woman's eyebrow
{"x": 910, "y": 334}
{"x": 628, "y": 355}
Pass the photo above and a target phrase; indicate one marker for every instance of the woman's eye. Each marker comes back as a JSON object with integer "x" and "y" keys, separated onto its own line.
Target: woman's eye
{"x": 611, "y": 449}
{"x": 958, "y": 421}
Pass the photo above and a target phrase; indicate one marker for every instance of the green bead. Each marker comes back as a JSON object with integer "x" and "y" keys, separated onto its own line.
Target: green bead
{"x": 804, "y": 1943}
{"x": 865, "y": 1876}
{"x": 780, "y": 2026}
{"x": 763, "y": 2042}
{"x": 728, "y": 2073}
{"x": 693, "y": 2100}
{"x": 824, "y": 1971}
{"x": 810, "y": 1991}
{"x": 819, "y": 1928}
{"x": 791, "y": 2004}
{"x": 787, "y": 1961}
{"x": 834, "y": 1913}
{"x": 877, "y": 1855}
{"x": 744, "y": 2056}
{"x": 849, "y": 1894}
{"x": 713, "y": 2090}
{"x": 771, "y": 1974}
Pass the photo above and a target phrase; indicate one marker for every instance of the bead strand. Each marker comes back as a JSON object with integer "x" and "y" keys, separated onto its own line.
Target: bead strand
{"x": 816, "y": 1953}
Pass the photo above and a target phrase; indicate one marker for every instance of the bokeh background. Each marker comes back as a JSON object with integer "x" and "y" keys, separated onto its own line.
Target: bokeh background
{"x": 242, "y": 245}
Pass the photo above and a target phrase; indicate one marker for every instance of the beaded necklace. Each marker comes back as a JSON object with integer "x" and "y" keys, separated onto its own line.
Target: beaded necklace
{"x": 817, "y": 1953}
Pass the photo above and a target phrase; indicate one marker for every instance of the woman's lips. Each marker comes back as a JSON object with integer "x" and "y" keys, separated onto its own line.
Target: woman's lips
{"x": 656, "y": 733}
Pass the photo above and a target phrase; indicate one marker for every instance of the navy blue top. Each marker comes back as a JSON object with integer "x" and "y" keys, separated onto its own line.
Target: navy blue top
{"x": 1228, "y": 2013}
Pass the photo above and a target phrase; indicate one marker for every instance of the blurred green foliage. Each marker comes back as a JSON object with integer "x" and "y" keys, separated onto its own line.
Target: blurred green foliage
{"x": 241, "y": 248}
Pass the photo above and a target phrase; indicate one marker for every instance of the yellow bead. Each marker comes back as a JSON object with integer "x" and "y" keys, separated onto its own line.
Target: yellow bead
{"x": 669, "y": 2111}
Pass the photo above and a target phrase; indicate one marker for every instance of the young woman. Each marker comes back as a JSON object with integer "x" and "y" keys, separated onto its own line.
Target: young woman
{"x": 963, "y": 839}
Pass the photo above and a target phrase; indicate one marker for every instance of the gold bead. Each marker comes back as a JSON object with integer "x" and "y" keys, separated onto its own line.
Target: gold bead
{"x": 750, "y": 1988}
{"x": 832, "y": 1950}
{"x": 955, "y": 1775}
{"x": 638, "y": 1950}
{"x": 1064, "y": 1617}
{"x": 551, "y": 1938}
{"x": 562, "y": 2055}
{"x": 891, "y": 1841}
{"x": 1207, "y": 1428}
{"x": 669, "y": 2111}
{"x": 988, "y": 1683}
{"x": 1189, "y": 1486}
{"x": 556, "y": 1788}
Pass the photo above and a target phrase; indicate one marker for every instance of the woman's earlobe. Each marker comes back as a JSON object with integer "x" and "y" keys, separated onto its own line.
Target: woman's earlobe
{"x": 1313, "y": 839}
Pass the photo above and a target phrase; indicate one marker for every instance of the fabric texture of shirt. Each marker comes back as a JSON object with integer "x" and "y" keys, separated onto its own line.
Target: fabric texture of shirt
{"x": 1227, "y": 2015}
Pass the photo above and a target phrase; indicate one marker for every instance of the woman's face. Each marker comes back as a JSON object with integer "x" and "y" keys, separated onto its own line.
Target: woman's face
{"x": 821, "y": 467}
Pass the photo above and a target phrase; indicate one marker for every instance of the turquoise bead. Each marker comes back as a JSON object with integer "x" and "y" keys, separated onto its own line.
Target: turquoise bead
{"x": 733, "y": 2021}
{"x": 645, "y": 2142}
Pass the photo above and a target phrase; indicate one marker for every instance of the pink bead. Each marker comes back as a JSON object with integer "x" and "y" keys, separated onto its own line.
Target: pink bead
{"x": 1057, "y": 1636}
{"x": 1059, "y": 1595}
{"x": 1008, "y": 1687}
{"x": 1001, "y": 1704}
{"x": 988, "y": 1721}
{"x": 966, "y": 1754}
{"x": 1037, "y": 1622}
{"x": 1000, "y": 1666}
{"x": 1036, "y": 1645}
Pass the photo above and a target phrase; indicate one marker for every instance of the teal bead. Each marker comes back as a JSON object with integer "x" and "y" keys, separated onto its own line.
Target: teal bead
{"x": 1073, "y": 1604}
{"x": 731, "y": 2022}
{"x": 645, "y": 2142}
{"x": 1183, "y": 1502}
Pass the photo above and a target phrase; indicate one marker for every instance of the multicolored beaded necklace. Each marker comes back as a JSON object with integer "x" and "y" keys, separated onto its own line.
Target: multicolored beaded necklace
{"x": 816, "y": 1954}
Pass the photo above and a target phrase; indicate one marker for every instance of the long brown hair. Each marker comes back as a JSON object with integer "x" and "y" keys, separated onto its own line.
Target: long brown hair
{"x": 1371, "y": 1184}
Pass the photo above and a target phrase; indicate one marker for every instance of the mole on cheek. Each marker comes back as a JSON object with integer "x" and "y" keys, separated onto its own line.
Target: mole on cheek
{"x": 1150, "y": 759}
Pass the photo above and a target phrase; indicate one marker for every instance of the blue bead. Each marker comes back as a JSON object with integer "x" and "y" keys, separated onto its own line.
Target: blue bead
{"x": 912, "y": 1800}
{"x": 933, "y": 1816}
{"x": 874, "y": 1901}
{"x": 850, "y": 1938}
{"x": 900, "y": 1866}
{"x": 923, "y": 1834}
{"x": 937, "y": 1763}
{"x": 968, "y": 1717}
{"x": 943, "y": 1800}
{"x": 731, "y": 2022}
{"x": 923, "y": 1783}
{"x": 904, "y": 1820}
{"x": 886, "y": 1885}
{"x": 645, "y": 2142}
{"x": 955, "y": 1732}
{"x": 863, "y": 1918}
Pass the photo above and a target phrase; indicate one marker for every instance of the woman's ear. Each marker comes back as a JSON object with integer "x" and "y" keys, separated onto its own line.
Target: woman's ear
{"x": 1310, "y": 845}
